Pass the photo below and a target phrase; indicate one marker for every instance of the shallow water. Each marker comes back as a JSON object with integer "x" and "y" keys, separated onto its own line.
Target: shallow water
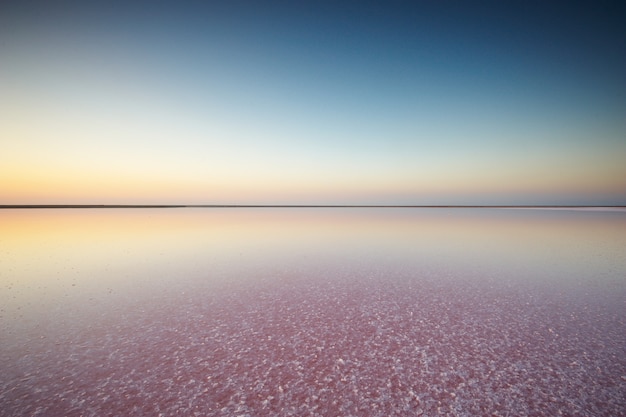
{"x": 303, "y": 312}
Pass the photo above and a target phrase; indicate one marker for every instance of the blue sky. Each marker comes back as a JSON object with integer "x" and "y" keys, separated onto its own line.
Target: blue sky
{"x": 313, "y": 102}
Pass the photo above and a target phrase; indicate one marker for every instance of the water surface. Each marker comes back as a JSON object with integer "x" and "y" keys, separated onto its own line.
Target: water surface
{"x": 304, "y": 312}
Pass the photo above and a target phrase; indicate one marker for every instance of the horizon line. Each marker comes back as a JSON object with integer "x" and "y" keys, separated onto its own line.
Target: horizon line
{"x": 105, "y": 206}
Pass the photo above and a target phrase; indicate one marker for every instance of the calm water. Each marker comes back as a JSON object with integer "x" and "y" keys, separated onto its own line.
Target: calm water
{"x": 302, "y": 312}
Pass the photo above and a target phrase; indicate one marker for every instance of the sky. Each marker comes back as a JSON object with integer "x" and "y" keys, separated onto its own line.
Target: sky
{"x": 325, "y": 102}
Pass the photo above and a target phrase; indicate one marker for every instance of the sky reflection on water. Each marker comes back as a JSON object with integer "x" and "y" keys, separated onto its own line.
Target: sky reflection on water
{"x": 295, "y": 311}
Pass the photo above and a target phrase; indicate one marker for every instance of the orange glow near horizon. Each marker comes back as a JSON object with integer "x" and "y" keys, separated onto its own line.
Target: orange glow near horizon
{"x": 66, "y": 185}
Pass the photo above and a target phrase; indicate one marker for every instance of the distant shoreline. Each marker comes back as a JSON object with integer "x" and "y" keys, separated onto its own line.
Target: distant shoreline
{"x": 144, "y": 206}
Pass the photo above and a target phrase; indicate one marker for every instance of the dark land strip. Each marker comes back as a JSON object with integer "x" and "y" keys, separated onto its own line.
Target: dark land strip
{"x": 143, "y": 206}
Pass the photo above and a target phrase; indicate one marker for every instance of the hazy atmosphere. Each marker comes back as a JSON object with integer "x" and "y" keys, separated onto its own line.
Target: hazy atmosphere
{"x": 306, "y": 209}
{"x": 312, "y": 103}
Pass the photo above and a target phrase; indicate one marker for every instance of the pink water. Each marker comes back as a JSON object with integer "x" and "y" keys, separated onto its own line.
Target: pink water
{"x": 354, "y": 313}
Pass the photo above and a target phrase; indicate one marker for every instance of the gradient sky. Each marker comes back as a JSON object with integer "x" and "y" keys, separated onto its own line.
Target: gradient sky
{"x": 412, "y": 102}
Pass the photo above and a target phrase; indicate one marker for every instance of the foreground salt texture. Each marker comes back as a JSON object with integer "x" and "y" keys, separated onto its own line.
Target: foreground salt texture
{"x": 337, "y": 346}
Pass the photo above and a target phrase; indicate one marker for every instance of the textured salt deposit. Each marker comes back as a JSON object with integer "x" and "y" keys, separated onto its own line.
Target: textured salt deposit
{"x": 330, "y": 347}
